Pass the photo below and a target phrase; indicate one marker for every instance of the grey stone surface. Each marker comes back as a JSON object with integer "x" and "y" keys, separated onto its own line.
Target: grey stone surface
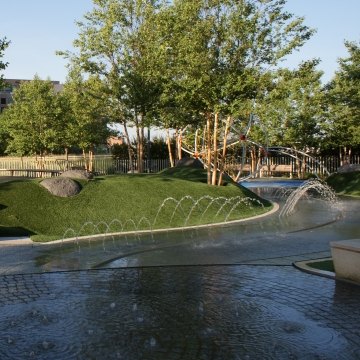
{"x": 207, "y": 312}
{"x": 77, "y": 174}
{"x": 61, "y": 186}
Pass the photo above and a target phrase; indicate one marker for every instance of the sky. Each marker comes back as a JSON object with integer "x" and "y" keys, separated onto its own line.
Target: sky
{"x": 38, "y": 28}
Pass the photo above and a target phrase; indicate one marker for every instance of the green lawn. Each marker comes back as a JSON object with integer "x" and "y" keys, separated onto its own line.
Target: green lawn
{"x": 123, "y": 202}
{"x": 345, "y": 183}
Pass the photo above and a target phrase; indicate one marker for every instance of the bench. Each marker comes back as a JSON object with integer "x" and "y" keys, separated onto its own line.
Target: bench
{"x": 277, "y": 168}
{"x": 31, "y": 172}
{"x": 346, "y": 258}
{"x": 268, "y": 168}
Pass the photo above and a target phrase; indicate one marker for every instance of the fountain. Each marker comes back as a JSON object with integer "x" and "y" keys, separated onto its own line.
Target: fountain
{"x": 129, "y": 242}
{"x": 321, "y": 189}
{"x": 183, "y": 210}
{"x": 194, "y": 292}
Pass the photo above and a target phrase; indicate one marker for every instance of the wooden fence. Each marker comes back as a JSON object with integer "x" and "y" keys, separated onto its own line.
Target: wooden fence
{"x": 321, "y": 165}
{"x": 107, "y": 165}
{"x": 50, "y": 165}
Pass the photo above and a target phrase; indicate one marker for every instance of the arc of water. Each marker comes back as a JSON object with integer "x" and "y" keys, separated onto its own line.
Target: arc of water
{"x": 228, "y": 201}
{"x": 296, "y": 195}
{"x": 65, "y": 235}
{"x": 118, "y": 222}
{"x": 104, "y": 224}
{"x": 86, "y": 224}
{"x": 220, "y": 199}
{"x": 133, "y": 224}
{"x": 195, "y": 205}
{"x": 147, "y": 221}
{"x": 248, "y": 201}
{"x": 179, "y": 205}
{"x": 162, "y": 205}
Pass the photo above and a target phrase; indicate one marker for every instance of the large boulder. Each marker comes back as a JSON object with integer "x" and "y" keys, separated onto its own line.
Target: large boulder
{"x": 77, "y": 174}
{"x": 61, "y": 186}
{"x": 190, "y": 162}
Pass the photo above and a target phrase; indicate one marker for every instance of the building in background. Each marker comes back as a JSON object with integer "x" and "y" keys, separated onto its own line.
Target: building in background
{"x": 11, "y": 85}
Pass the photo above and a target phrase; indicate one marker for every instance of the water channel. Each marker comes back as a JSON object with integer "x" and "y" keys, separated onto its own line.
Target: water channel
{"x": 219, "y": 292}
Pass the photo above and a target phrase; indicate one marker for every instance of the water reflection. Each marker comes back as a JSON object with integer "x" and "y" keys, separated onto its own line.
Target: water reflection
{"x": 207, "y": 312}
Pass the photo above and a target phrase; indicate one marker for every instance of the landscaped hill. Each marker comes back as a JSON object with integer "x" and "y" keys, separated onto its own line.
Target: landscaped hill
{"x": 345, "y": 183}
{"x": 123, "y": 203}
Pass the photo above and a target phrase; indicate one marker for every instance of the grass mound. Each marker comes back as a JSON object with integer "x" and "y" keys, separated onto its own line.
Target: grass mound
{"x": 345, "y": 183}
{"x": 123, "y": 203}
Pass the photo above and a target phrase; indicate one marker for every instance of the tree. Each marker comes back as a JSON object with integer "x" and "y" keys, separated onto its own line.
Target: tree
{"x": 220, "y": 51}
{"x": 112, "y": 44}
{"x": 3, "y": 45}
{"x": 84, "y": 107}
{"x": 185, "y": 62}
{"x": 341, "y": 124}
{"x": 291, "y": 109}
{"x": 33, "y": 119}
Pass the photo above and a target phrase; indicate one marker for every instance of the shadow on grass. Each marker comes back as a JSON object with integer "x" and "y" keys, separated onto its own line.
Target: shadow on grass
{"x": 184, "y": 173}
{"x": 15, "y": 231}
{"x": 345, "y": 183}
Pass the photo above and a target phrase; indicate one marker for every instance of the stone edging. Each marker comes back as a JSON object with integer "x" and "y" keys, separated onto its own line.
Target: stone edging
{"x": 303, "y": 266}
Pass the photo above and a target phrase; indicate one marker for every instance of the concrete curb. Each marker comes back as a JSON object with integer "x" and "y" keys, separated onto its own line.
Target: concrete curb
{"x": 13, "y": 240}
{"x": 303, "y": 266}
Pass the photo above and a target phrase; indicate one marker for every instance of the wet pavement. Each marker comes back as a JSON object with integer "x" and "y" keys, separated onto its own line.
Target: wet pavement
{"x": 181, "y": 312}
{"x": 220, "y": 293}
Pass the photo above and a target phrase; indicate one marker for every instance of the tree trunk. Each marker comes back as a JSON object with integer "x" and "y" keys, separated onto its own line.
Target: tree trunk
{"x": 168, "y": 142}
{"x": 85, "y": 159}
{"x": 303, "y": 166}
{"x": 215, "y": 148}
{"x": 91, "y": 160}
{"x": 130, "y": 152}
{"x": 258, "y": 165}
{"x": 208, "y": 149}
{"x": 253, "y": 161}
{"x": 345, "y": 156}
{"x": 196, "y": 143}
{"x": 222, "y": 164}
{"x": 179, "y": 144}
{"x": 139, "y": 143}
{"x": 141, "y": 150}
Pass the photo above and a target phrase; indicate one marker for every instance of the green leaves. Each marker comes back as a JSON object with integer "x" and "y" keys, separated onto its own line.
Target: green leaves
{"x": 33, "y": 119}
{"x": 86, "y": 123}
{"x": 343, "y": 101}
{"x": 3, "y": 45}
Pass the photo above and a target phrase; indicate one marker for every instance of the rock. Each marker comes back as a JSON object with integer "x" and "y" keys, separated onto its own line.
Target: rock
{"x": 61, "y": 186}
{"x": 190, "y": 162}
{"x": 77, "y": 174}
